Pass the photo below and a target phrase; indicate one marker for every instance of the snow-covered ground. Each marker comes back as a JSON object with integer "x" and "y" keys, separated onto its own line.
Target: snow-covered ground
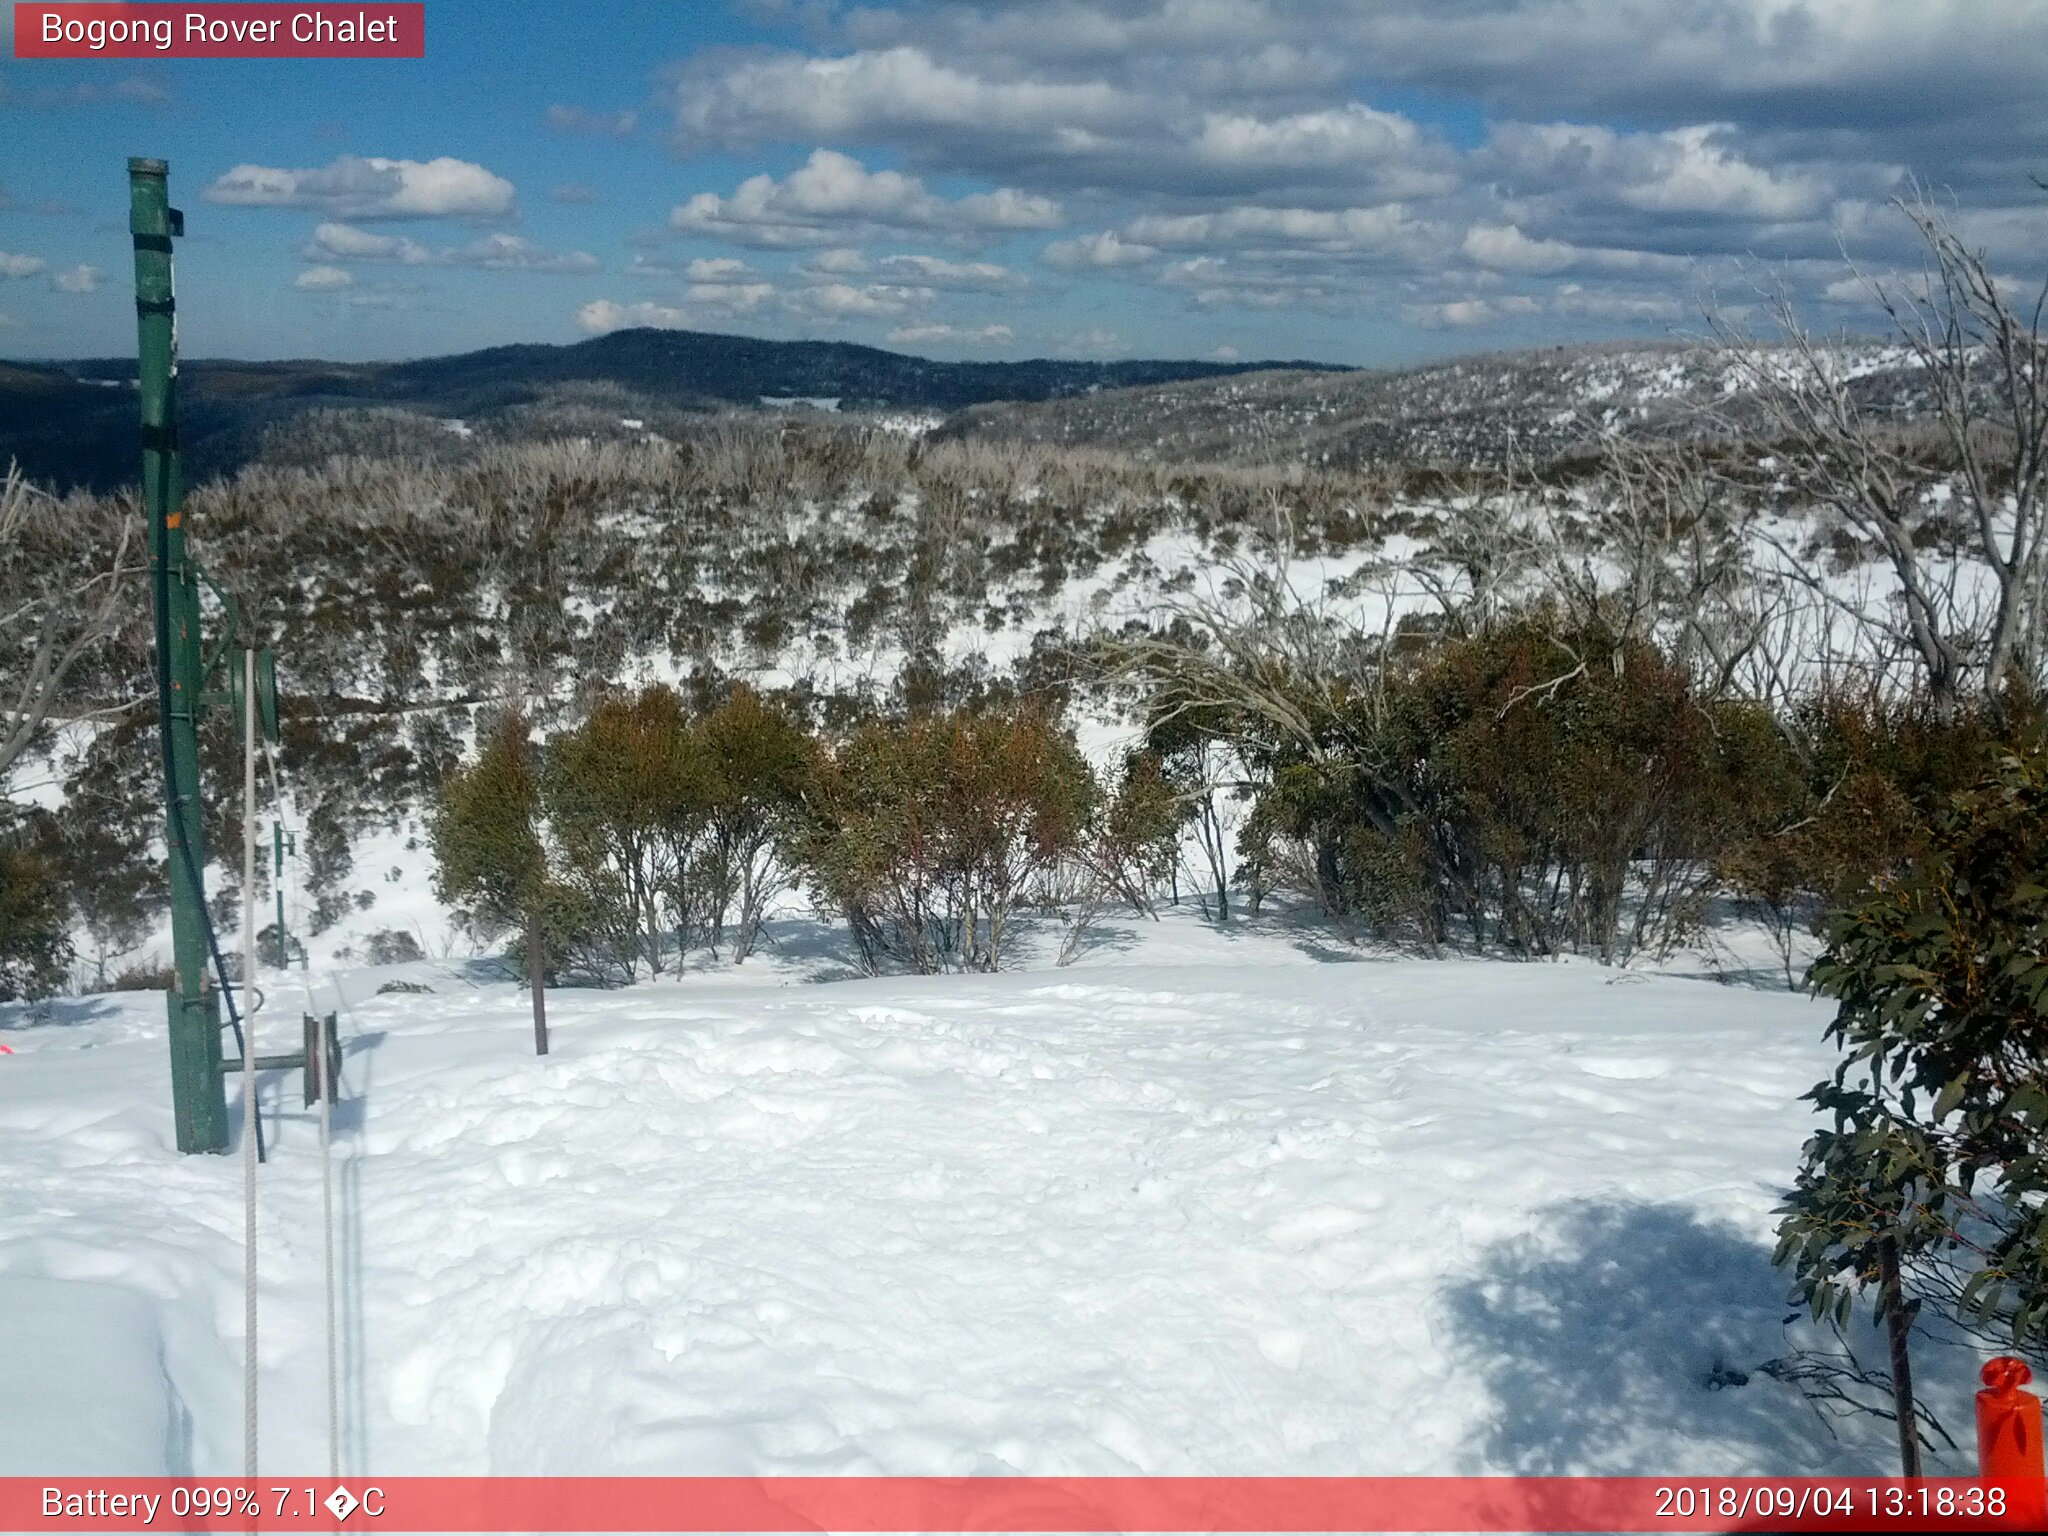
{"x": 1241, "y": 1201}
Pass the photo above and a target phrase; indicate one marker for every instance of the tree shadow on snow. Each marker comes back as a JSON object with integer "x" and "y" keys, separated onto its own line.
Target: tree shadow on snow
{"x": 1625, "y": 1339}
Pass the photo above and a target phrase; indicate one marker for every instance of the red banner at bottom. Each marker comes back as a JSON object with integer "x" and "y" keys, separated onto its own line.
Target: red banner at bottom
{"x": 1150, "y": 1504}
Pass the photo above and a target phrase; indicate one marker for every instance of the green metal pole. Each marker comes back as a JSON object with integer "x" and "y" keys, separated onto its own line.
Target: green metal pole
{"x": 198, "y": 1089}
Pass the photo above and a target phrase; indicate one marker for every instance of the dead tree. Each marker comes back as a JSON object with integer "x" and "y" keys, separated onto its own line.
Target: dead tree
{"x": 65, "y": 589}
{"x": 1947, "y": 530}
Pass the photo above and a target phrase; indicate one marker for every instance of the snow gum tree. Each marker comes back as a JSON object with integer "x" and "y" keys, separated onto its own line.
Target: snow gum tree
{"x": 488, "y": 851}
{"x": 625, "y": 795}
{"x": 926, "y": 833}
{"x": 1930, "y": 1184}
{"x": 758, "y": 766}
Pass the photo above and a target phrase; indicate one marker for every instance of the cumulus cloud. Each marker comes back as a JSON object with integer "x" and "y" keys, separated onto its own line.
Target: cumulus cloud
{"x": 1107, "y": 249}
{"x": 513, "y": 253}
{"x": 323, "y": 279}
{"x": 920, "y": 270}
{"x": 1387, "y": 228}
{"x": 872, "y": 95}
{"x": 1096, "y": 341}
{"x": 372, "y": 188}
{"x": 840, "y": 300}
{"x": 832, "y": 194}
{"x": 731, "y": 297}
{"x": 601, "y": 315}
{"x": 1631, "y": 139}
{"x": 1453, "y": 312}
{"x": 13, "y": 264}
{"x": 1350, "y": 145}
{"x": 334, "y": 241}
{"x": 79, "y": 279}
{"x": 1694, "y": 169}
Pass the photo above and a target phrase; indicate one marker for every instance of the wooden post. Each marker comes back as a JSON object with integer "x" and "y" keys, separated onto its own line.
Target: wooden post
{"x": 537, "y": 974}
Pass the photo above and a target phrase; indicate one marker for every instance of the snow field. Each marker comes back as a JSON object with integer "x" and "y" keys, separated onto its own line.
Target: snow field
{"x": 1205, "y": 1202}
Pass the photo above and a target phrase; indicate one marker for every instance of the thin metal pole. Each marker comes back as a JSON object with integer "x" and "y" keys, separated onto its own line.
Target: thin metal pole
{"x": 284, "y": 958}
{"x": 248, "y": 1063}
{"x": 324, "y": 1031}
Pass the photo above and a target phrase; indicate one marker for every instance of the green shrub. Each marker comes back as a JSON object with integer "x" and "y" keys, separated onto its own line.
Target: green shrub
{"x": 1530, "y": 789}
{"x": 35, "y": 947}
{"x": 925, "y": 833}
{"x": 1930, "y": 1182}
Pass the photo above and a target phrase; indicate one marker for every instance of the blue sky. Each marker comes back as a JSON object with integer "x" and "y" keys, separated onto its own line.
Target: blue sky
{"x": 1369, "y": 182}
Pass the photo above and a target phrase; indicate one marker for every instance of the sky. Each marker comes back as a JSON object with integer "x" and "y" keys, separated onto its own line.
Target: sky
{"x": 1374, "y": 182}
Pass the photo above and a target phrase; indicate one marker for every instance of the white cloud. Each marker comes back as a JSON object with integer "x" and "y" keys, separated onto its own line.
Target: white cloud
{"x": 500, "y": 252}
{"x": 1504, "y": 248}
{"x": 1454, "y": 313}
{"x": 1096, "y": 341}
{"x": 1107, "y": 249}
{"x": 1388, "y": 227}
{"x": 717, "y": 269}
{"x": 1212, "y": 282}
{"x": 1690, "y": 173}
{"x": 335, "y": 242}
{"x": 868, "y": 94}
{"x": 602, "y": 315}
{"x": 843, "y": 299}
{"x": 734, "y": 298}
{"x": 832, "y": 193}
{"x": 938, "y": 272}
{"x": 1352, "y": 144}
{"x": 839, "y": 261}
{"x": 344, "y": 242}
{"x": 917, "y": 269}
{"x": 951, "y": 335}
{"x": 1694, "y": 169}
{"x": 15, "y": 265}
{"x": 1571, "y": 299}
{"x": 372, "y": 188}
{"x": 323, "y": 279}
{"x": 79, "y": 279}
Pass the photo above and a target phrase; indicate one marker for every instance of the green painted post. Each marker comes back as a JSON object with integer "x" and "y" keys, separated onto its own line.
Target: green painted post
{"x": 198, "y": 1089}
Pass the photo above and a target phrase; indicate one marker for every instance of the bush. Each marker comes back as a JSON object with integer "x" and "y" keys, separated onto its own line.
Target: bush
{"x": 391, "y": 946}
{"x": 145, "y": 978}
{"x": 759, "y": 766}
{"x": 924, "y": 833}
{"x": 626, "y": 795}
{"x": 1872, "y": 782}
{"x": 1540, "y": 791}
{"x": 35, "y": 947}
{"x": 1931, "y": 1184}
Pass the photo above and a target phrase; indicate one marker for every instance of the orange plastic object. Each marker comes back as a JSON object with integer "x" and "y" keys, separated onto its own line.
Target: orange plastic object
{"x": 2009, "y": 1437}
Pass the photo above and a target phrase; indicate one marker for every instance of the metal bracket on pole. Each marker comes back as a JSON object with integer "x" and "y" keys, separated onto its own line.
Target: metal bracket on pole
{"x": 306, "y": 1059}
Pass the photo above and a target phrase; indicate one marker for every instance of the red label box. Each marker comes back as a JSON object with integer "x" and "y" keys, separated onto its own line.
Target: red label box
{"x": 220, "y": 31}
